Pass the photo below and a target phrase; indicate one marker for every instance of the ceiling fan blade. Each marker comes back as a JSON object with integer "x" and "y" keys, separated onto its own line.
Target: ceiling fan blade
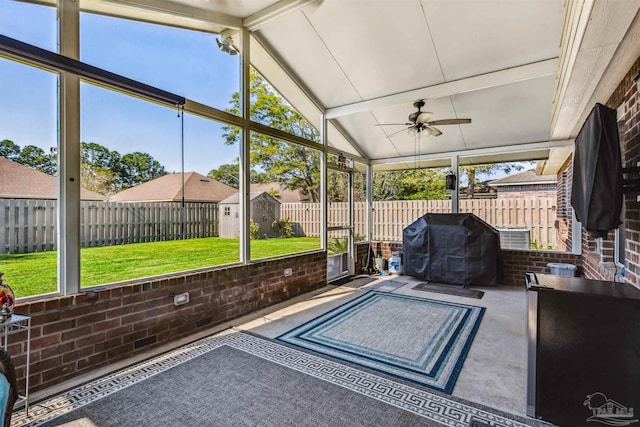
{"x": 423, "y": 117}
{"x": 401, "y": 130}
{"x": 433, "y": 131}
{"x": 394, "y": 124}
{"x": 449, "y": 122}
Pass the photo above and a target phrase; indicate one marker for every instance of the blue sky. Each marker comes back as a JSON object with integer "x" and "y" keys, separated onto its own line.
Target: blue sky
{"x": 184, "y": 62}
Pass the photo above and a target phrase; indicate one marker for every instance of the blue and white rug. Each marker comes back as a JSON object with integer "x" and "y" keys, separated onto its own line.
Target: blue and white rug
{"x": 416, "y": 339}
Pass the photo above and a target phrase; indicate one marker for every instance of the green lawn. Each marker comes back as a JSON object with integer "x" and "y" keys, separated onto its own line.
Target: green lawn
{"x": 35, "y": 273}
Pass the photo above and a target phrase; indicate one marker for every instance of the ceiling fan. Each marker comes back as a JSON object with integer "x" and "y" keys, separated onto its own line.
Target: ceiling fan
{"x": 419, "y": 121}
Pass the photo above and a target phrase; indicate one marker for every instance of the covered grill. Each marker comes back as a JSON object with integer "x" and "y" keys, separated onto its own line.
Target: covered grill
{"x": 459, "y": 249}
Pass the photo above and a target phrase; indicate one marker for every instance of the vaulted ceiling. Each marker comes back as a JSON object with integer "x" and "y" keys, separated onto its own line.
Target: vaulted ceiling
{"x": 525, "y": 71}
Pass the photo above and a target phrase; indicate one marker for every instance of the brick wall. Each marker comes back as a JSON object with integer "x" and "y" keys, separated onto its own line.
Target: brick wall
{"x": 564, "y": 210}
{"x": 516, "y": 263}
{"x": 627, "y": 94}
{"x": 598, "y": 264}
{"x": 75, "y": 334}
{"x": 520, "y": 192}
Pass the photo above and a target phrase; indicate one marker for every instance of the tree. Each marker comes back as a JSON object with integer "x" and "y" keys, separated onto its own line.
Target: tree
{"x": 36, "y": 158}
{"x": 338, "y": 187}
{"x": 472, "y": 171}
{"x": 100, "y": 168}
{"x": 9, "y": 149}
{"x": 138, "y": 168}
{"x": 296, "y": 167}
{"x": 412, "y": 184}
{"x": 230, "y": 174}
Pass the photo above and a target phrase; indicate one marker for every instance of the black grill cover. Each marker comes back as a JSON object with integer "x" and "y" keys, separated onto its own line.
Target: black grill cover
{"x": 459, "y": 249}
{"x": 596, "y": 193}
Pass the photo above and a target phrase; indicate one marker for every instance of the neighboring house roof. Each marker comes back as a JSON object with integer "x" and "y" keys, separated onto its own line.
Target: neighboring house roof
{"x": 286, "y": 196}
{"x": 234, "y": 199}
{"x": 22, "y": 182}
{"x": 168, "y": 188}
{"x": 524, "y": 178}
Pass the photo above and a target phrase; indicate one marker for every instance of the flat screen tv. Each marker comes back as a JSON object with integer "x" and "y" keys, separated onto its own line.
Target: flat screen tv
{"x": 597, "y": 194}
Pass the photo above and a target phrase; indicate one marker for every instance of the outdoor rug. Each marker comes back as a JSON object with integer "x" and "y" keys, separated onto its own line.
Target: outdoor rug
{"x": 443, "y": 288}
{"x": 354, "y": 282}
{"x": 386, "y": 286}
{"x": 239, "y": 379}
{"x": 416, "y": 339}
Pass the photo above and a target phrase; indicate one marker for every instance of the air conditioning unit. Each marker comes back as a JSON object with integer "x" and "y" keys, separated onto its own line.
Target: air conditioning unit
{"x": 515, "y": 238}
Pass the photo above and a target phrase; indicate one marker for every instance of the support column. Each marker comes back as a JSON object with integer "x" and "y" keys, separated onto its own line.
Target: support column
{"x": 352, "y": 252}
{"x": 245, "y": 148}
{"x": 455, "y": 203}
{"x": 369, "y": 212}
{"x": 323, "y": 183}
{"x": 68, "y": 235}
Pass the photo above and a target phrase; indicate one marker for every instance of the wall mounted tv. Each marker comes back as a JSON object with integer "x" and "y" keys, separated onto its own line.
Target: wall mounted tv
{"x": 597, "y": 193}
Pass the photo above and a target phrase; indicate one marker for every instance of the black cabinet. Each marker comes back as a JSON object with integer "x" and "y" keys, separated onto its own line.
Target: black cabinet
{"x": 583, "y": 351}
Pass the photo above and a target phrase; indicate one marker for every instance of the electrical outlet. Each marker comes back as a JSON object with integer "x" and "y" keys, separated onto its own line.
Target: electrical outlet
{"x": 181, "y": 299}
{"x": 288, "y": 272}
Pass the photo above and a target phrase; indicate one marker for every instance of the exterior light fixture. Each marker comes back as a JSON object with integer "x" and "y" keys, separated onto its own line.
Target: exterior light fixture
{"x": 450, "y": 181}
{"x": 226, "y": 45}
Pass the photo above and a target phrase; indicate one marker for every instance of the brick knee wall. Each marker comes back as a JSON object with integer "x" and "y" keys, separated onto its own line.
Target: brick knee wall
{"x": 75, "y": 334}
{"x": 515, "y": 263}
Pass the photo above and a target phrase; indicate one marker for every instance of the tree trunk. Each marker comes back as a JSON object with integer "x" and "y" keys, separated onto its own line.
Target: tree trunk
{"x": 471, "y": 185}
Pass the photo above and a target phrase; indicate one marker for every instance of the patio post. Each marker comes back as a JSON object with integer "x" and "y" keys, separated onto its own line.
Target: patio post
{"x": 323, "y": 182}
{"x": 68, "y": 235}
{"x": 369, "y": 211}
{"x": 245, "y": 147}
{"x": 455, "y": 204}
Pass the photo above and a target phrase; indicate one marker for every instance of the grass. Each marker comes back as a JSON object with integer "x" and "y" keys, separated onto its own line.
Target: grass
{"x": 35, "y": 273}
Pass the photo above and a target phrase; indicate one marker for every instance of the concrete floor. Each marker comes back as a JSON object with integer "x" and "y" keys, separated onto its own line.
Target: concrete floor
{"x": 494, "y": 373}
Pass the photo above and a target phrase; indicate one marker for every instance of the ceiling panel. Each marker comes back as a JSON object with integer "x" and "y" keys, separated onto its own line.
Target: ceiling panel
{"x": 511, "y": 114}
{"x": 304, "y": 53}
{"x": 371, "y": 140}
{"x": 475, "y": 37}
{"x": 382, "y": 46}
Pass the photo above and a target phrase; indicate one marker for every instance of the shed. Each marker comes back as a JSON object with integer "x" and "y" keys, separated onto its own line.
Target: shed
{"x": 264, "y": 210}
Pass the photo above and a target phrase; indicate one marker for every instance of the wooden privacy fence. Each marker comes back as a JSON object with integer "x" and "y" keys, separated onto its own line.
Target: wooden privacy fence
{"x": 30, "y": 225}
{"x": 390, "y": 218}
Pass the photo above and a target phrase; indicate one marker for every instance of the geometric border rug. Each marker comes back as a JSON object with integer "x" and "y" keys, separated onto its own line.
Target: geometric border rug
{"x": 417, "y": 339}
{"x": 448, "y": 412}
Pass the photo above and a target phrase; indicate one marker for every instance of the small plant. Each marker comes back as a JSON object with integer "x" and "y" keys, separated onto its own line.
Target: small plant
{"x": 284, "y": 227}
{"x": 337, "y": 245}
{"x": 534, "y": 244}
{"x": 254, "y": 230}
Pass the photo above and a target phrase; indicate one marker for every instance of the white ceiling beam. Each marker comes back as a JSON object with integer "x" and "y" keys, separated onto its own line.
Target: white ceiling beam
{"x": 273, "y": 12}
{"x": 518, "y": 148}
{"x": 483, "y": 81}
{"x": 179, "y": 10}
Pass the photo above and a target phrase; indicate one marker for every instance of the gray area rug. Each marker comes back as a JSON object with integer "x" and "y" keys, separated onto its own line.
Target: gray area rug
{"x": 252, "y": 381}
{"x": 386, "y": 286}
{"x": 228, "y": 387}
{"x": 443, "y": 288}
